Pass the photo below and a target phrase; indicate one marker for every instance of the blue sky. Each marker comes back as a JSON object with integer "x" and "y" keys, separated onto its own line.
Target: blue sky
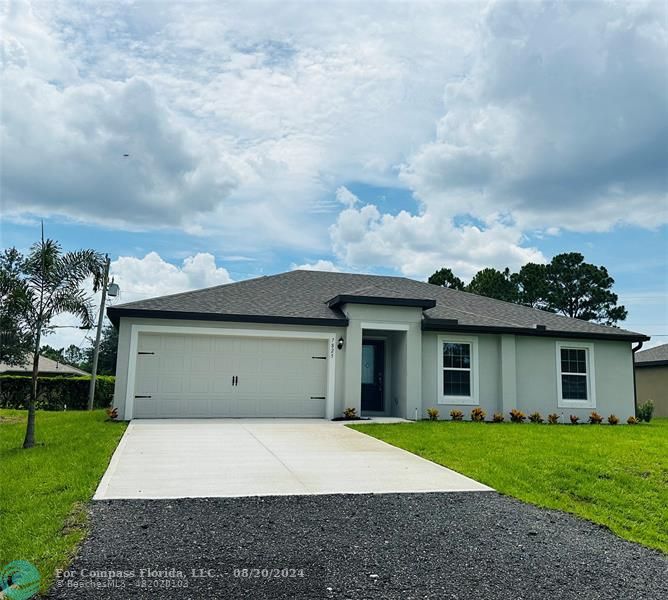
{"x": 376, "y": 137}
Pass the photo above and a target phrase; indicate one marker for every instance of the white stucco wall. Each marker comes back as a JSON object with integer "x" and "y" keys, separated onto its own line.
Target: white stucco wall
{"x": 513, "y": 371}
{"x": 521, "y": 372}
{"x": 537, "y": 377}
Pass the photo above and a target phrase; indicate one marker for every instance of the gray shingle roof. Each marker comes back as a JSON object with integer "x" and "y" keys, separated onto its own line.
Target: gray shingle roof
{"x": 302, "y": 296}
{"x": 652, "y": 356}
{"x": 46, "y": 366}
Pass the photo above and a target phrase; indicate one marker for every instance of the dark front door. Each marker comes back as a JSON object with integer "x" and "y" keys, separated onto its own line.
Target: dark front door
{"x": 373, "y": 375}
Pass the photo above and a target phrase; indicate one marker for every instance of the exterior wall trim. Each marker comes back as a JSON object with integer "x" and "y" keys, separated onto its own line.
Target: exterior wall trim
{"x": 136, "y": 329}
{"x": 650, "y": 363}
{"x": 380, "y": 301}
{"x": 386, "y": 326}
{"x": 115, "y": 313}
{"x": 447, "y": 326}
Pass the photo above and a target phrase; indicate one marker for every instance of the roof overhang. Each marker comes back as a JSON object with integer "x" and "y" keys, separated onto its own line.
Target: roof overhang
{"x": 341, "y": 299}
{"x": 115, "y": 313}
{"x": 451, "y": 325}
{"x": 651, "y": 363}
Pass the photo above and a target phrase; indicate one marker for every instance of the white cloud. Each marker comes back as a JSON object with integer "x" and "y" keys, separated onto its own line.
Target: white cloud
{"x": 152, "y": 276}
{"x": 318, "y": 265}
{"x": 417, "y": 245}
{"x": 236, "y": 125}
{"x": 560, "y": 123}
{"x": 513, "y": 116}
{"x": 63, "y": 153}
{"x": 141, "y": 278}
{"x": 346, "y": 197}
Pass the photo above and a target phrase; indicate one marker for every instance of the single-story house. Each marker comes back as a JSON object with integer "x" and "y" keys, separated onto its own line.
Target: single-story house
{"x": 652, "y": 378}
{"x": 47, "y": 367}
{"x": 310, "y": 344}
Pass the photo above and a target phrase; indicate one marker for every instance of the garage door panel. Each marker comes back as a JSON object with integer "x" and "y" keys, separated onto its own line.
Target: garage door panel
{"x": 145, "y": 408}
{"x": 175, "y": 343}
{"x": 202, "y": 344}
{"x": 191, "y": 376}
{"x": 170, "y": 384}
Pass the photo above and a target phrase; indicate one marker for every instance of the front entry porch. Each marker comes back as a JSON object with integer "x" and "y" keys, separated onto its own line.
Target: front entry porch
{"x": 383, "y": 391}
{"x": 382, "y": 361}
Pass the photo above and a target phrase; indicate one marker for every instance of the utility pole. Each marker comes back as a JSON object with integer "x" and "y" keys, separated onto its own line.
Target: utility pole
{"x": 96, "y": 348}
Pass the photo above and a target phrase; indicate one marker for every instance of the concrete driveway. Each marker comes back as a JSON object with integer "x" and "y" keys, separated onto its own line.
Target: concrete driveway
{"x": 189, "y": 458}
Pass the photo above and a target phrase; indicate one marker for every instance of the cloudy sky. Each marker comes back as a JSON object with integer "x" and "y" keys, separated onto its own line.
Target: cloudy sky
{"x": 383, "y": 137}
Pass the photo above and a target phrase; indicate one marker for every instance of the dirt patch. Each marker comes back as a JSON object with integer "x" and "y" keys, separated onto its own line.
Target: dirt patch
{"x": 11, "y": 420}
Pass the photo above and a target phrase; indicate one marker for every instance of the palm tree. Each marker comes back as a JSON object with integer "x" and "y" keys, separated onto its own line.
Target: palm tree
{"x": 54, "y": 283}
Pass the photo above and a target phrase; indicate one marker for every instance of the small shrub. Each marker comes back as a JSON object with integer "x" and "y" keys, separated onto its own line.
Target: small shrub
{"x": 350, "y": 413}
{"x": 478, "y": 414}
{"x": 433, "y": 413}
{"x": 517, "y": 416}
{"x": 613, "y": 419}
{"x": 646, "y": 410}
{"x": 632, "y": 420}
{"x": 553, "y": 418}
{"x": 497, "y": 417}
{"x": 574, "y": 419}
{"x": 535, "y": 417}
{"x": 595, "y": 418}
{"x": 112, "y": 413}
{"x": 456, "y": 415}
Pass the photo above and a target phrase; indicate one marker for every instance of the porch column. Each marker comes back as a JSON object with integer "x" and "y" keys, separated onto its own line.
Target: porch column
{"x": 508, "y": 373}
{"x": 413, "y": 372}
{"x": 352, "y": 393}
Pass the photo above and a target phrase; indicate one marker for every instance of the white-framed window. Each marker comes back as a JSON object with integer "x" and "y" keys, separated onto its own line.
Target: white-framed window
{"x": 457, "y": 370}
{"x": 575, "y": 375}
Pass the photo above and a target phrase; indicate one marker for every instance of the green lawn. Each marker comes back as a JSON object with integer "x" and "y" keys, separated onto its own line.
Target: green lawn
{"x": 615, "y": 476}
{"x": 43, "y": 490}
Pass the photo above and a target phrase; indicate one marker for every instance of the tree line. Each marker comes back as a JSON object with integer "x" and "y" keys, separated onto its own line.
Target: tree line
{"x": 566, "y": 285}
{"x": 82, "y": 358}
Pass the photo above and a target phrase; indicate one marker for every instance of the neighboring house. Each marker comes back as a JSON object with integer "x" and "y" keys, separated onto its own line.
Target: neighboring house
{"x": 652, "y": 378}
{"x": 46, "y": 365}
{"x": 309, "y": 344}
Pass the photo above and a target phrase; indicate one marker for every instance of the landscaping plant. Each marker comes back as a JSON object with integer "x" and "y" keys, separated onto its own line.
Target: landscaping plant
{"x": 517, "y": 416}
{"x": 478, "y": 414}
{"x": 350, "y": 413}
{"x": 646, "y": 410}
{"x": 498, "y": 417}
{"x": 51, "y": 284}
{"x": 613, "y": 419}
{"x": 433, "y": 413}
{"x": 595, "y": 418}
{"x": 535, "y": 417}
{"x": 456, "y": 415}
{"x": 574, "y": 419}
{"x": 632, "y": 420}
{"x": 553, "y": 418}
{"x": 55, "y": 393}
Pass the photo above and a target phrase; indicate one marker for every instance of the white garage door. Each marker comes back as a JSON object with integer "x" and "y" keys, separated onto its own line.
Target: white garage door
{"x": 223, "y": 376}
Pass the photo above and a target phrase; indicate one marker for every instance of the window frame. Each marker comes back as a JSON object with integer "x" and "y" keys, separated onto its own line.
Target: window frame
{"x": 474, "y": 398}
{"x": 590, "y": 375}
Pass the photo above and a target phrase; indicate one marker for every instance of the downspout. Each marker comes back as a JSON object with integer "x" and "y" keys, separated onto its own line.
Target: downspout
{"x": 635, "y": 391}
